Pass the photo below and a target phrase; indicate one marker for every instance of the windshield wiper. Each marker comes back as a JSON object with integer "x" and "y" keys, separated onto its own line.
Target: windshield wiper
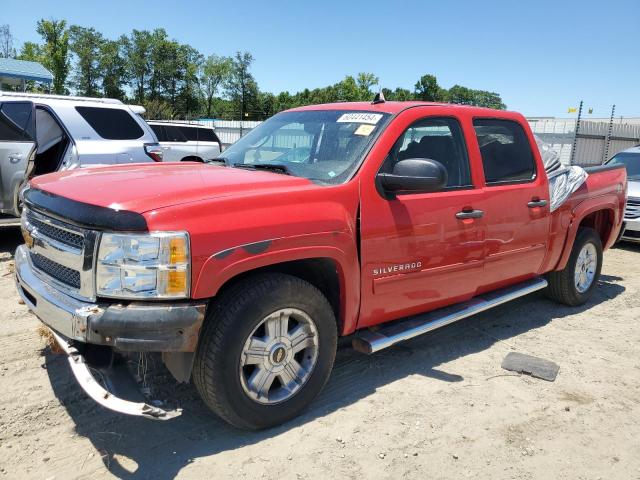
{"x": 224, "y": 160}
{"x": 272, "y": 167}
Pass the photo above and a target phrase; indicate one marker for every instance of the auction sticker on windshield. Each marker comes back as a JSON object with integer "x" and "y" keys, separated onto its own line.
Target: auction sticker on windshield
{"x": 372, "y": 118}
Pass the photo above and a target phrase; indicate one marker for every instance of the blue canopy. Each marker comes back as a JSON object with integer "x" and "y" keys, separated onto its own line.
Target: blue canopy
{"x": 23, "y": 70}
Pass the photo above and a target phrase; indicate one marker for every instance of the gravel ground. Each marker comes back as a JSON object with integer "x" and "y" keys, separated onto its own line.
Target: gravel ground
{"x": 435, "y": 407}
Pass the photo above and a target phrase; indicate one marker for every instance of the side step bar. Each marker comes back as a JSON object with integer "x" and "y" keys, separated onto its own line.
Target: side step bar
{"x": 375, "y": 339}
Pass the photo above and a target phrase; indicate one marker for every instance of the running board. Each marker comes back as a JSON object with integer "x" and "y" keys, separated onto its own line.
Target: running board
{"x": 377, "y": 338}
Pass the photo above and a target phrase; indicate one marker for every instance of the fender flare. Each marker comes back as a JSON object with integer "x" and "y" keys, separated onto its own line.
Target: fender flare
{"x": 609, "y": 203}
{"x": 223, "y": 267}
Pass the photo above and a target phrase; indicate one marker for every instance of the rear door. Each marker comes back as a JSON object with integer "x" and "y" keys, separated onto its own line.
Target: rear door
{"x": 516, "y": 202}
{"x": 17, "y": 145}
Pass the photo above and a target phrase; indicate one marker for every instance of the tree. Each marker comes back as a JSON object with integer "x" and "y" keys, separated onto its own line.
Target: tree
{"x": 241, "y": 86}
{"x": 214, "y": 73}
{"x": 428, "y": 90}
{"x": 138, "y": 54}
{"x": 365, "y": 81}
{"x": 113, "y": 67}
{"x": 30, "y": 51}
{"x": 7, "y": 49}
{"x": 56, "y": 51}
{"x": 86, "y": 44}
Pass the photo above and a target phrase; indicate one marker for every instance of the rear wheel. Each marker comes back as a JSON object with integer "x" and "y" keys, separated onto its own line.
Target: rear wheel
{"x": 574, "y": 284}
{"x": 266, "y": 350}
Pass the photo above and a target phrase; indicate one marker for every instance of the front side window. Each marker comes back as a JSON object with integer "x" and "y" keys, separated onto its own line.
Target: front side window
{"x": 439, "y": 139}
{"x": 325, "y": 146}
{"x": 111, "y": 123}
{"x": 631, "y": 161}
{"x": 16, "y": 122}
{"x": 505, "y": 150}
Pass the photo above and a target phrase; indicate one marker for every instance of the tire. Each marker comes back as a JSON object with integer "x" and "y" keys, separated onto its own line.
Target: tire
{"x": 563, "y": 286}
{"x": 219, "y": 373}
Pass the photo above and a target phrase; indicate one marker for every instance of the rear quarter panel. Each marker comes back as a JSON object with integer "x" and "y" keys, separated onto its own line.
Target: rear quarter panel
{"x": 603, "y": 190}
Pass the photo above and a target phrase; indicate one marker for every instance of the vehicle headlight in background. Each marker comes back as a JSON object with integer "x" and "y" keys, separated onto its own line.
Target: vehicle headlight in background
{"x": 153, "y": 265}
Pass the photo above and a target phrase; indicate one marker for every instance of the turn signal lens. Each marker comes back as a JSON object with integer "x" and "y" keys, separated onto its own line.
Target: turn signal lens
{"x": 177, "y": 250}
{"x": 176, "y": 282}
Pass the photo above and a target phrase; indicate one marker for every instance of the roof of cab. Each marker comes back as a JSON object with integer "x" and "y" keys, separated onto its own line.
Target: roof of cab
{"x": 387, "y": 107}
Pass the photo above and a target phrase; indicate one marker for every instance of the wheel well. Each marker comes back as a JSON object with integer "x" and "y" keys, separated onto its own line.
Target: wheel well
{"x": 602, "y": 222}
{"x": 322, "y": 273}
{"x": 192, "y": 158}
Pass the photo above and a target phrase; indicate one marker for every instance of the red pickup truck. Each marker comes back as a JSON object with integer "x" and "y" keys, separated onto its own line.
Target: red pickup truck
{"x": 380, "y": 221}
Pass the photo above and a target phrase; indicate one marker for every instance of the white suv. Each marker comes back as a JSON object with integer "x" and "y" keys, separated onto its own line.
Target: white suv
{"x": 46, "y": 133}
{"x": 182, "y": 141}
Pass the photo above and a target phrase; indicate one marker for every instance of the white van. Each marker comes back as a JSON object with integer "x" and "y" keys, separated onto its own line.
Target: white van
{"x": 183, "y": 141}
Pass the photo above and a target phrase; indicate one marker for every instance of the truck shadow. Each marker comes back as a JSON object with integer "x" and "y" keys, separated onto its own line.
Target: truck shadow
{"x": 132, "y": 447}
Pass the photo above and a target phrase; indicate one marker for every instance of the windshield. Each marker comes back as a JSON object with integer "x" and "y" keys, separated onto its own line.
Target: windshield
{"x": 325, "y": 146}
{"x": 630, "y": 160}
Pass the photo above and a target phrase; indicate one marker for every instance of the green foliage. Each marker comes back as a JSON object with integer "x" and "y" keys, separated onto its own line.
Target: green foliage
{"x": 113, "y": 65}
{"x": 214, "y": 72}
{"x": 242, "y": 88}
{"x": 55, "y": 51}
{"x": 86, "y": 44}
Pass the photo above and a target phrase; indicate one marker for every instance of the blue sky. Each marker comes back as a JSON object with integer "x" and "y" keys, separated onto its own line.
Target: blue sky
{"x": 541, "y": 56}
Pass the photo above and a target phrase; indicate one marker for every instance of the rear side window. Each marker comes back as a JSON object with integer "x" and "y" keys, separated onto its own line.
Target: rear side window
{"x": 159, "y": 131}
{"x": 174, "y": 134}
{"x": 16, "y": 123}
{"x": 208, "y": 135}
{"x": 190, "y": 133}
{"x": 506, "y": 153}
{"x": 111, "y": 123}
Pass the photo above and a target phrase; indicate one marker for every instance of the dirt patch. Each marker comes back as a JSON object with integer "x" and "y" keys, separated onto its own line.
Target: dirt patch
{"x": 436, "y": 407}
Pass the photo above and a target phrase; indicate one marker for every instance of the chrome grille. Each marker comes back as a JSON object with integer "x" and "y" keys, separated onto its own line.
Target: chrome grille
{"x": 59, "y": 272}
{"x": 633, "y": 209}
{"x": 56, "y": 233}
{"x": 61, "y": 252}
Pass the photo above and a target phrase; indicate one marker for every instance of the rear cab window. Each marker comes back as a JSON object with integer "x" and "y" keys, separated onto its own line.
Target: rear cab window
{"x": 111, "y": 123}
{"x": 506, "y": 153}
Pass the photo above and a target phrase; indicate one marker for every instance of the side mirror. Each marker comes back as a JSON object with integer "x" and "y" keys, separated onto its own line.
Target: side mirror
{"x": 414, "y": 175}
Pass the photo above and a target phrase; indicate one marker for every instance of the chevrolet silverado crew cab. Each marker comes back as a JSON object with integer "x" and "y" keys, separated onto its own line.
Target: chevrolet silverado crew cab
{"x": 379, "y": 221}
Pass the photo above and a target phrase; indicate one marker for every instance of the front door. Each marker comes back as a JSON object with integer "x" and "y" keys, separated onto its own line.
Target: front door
{"x": 420, "y": 251}
{"x": 17, "y": 144}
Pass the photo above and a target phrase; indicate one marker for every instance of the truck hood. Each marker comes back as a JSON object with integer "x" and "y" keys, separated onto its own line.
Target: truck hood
{"x": 144, "y": 187}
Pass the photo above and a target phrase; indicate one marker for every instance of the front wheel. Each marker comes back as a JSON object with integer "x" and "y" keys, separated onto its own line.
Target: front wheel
{"x": 575, "y": 284}
{"x": 266, "y": 350}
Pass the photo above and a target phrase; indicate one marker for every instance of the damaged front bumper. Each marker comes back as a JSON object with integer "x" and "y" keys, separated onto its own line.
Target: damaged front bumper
{"x": 172, "y": 329}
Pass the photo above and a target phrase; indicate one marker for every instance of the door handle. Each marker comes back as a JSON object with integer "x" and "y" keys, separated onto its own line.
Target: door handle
{"x": 536, "y": 203}
{"x": 469, "y": 214}
{"x": 15, "y": 157}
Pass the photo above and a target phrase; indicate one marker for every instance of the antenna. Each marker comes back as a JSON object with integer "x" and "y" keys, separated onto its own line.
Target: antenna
{"x": 379, "y": 98}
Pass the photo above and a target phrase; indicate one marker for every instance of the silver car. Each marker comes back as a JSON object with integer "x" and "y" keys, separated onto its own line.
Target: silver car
{"x": 46, "y": 133}
{"x": 182, "y": 141}
{"x": 630, "y": 158}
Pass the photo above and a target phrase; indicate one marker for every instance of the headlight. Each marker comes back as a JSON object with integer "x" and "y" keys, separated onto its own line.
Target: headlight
{"x": 153, "y": 265}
